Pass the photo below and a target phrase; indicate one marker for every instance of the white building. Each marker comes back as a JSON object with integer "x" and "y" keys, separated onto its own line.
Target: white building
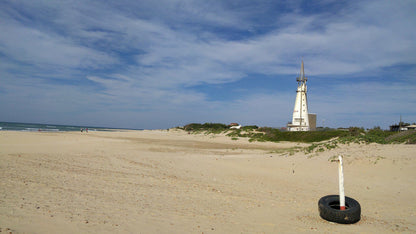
{"x": 300, "y": 120}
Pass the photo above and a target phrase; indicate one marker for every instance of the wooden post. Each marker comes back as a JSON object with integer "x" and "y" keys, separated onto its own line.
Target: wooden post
{"x": 341, "y": 184}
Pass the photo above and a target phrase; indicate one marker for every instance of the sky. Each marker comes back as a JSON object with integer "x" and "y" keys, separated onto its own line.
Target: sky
{"x": 160, "y": 64}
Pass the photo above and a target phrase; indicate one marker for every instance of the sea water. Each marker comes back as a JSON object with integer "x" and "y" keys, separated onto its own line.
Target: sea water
{"x": 34, "y": 127}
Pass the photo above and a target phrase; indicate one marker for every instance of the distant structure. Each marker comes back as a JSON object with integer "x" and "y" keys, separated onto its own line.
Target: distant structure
{"x": 312, "y": 122}
{"x": 302, "y": 120}
{"x": 402, "y": 127}
{"x": 234, "y": 126}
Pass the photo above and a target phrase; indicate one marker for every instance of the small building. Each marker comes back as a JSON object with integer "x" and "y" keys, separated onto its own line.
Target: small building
{"x": 411, "y": 127}
{"x": 394, "y": 128}
{"x": 402, "y": 127}
{"x": 312, "y": 122}
{"x": 234, "y": 126}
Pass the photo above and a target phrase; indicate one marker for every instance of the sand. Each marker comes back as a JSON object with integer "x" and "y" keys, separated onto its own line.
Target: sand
{"x": 174, "y": 182}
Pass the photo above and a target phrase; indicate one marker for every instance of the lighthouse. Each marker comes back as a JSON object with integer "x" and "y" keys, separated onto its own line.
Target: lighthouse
{"x": 301, "y": 117}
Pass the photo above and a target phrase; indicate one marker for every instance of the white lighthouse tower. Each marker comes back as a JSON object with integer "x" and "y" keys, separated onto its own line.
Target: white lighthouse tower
{"x": 300, "y": 120}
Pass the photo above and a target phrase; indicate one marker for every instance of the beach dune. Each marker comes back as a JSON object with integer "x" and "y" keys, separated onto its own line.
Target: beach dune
{"x": 174, "y": 182}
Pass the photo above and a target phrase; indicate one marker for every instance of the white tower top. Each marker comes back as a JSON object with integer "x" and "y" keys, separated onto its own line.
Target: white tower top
{"x": 300, "y": 120}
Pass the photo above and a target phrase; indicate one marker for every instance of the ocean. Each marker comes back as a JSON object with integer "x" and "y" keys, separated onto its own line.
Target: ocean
{"x": 34, "y": 127}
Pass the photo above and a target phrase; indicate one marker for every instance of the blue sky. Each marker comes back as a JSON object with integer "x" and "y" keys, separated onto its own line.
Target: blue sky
{"x": 160, "y": 64}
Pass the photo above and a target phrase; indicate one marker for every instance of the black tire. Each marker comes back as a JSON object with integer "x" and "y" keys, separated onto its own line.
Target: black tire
{"x": 329, "y": 210}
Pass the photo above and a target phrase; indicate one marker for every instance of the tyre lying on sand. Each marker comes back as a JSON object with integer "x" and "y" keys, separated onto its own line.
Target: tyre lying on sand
{"x": 329, "y": 209}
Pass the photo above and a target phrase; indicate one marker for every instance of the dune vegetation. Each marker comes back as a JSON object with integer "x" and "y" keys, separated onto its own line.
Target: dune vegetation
{"x": 331, "y": 136}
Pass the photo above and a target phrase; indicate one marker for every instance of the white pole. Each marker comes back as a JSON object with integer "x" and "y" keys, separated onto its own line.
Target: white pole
{"x": 341, "y": 184}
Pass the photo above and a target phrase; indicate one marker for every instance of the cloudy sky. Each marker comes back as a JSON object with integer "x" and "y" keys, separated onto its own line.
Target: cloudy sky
{"x": 159, "y": 64}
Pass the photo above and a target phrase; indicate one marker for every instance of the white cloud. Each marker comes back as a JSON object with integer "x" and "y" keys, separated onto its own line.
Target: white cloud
{"x": 29, "y": 45}
{"x": 141, "y": 58}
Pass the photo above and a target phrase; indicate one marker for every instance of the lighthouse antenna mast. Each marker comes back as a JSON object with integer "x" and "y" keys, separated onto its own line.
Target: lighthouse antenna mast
{"x": 302, "y": 88}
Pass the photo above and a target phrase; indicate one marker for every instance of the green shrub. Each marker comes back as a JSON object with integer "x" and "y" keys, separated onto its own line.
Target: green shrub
{"x": 206, "y": 127}
{"x": 275, "y": 135}
{"x": 355, "y": 131}
{"x": 408, "y": 137}
{"x": 353, "y": 135}
{"x": 250, "y": 127}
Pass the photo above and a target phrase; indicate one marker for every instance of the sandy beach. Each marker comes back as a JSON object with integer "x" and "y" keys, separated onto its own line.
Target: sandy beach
{"x": 174, "y": 182}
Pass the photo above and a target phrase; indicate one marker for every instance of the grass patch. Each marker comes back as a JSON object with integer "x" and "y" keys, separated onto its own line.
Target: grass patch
{"x": 321, "y": 140}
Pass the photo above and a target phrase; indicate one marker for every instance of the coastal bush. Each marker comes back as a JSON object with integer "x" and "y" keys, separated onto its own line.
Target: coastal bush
{"x": 234, "y": 133}
{"x": 275, "y": 135}
{"x": 376, "y": 136}
{"x": 355, "y": 131}
{"x": 250, "y": 127}
{"x": 408, "y": 137}
{"x": 338, "y": 136}
{"x": 206, "y": 127}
